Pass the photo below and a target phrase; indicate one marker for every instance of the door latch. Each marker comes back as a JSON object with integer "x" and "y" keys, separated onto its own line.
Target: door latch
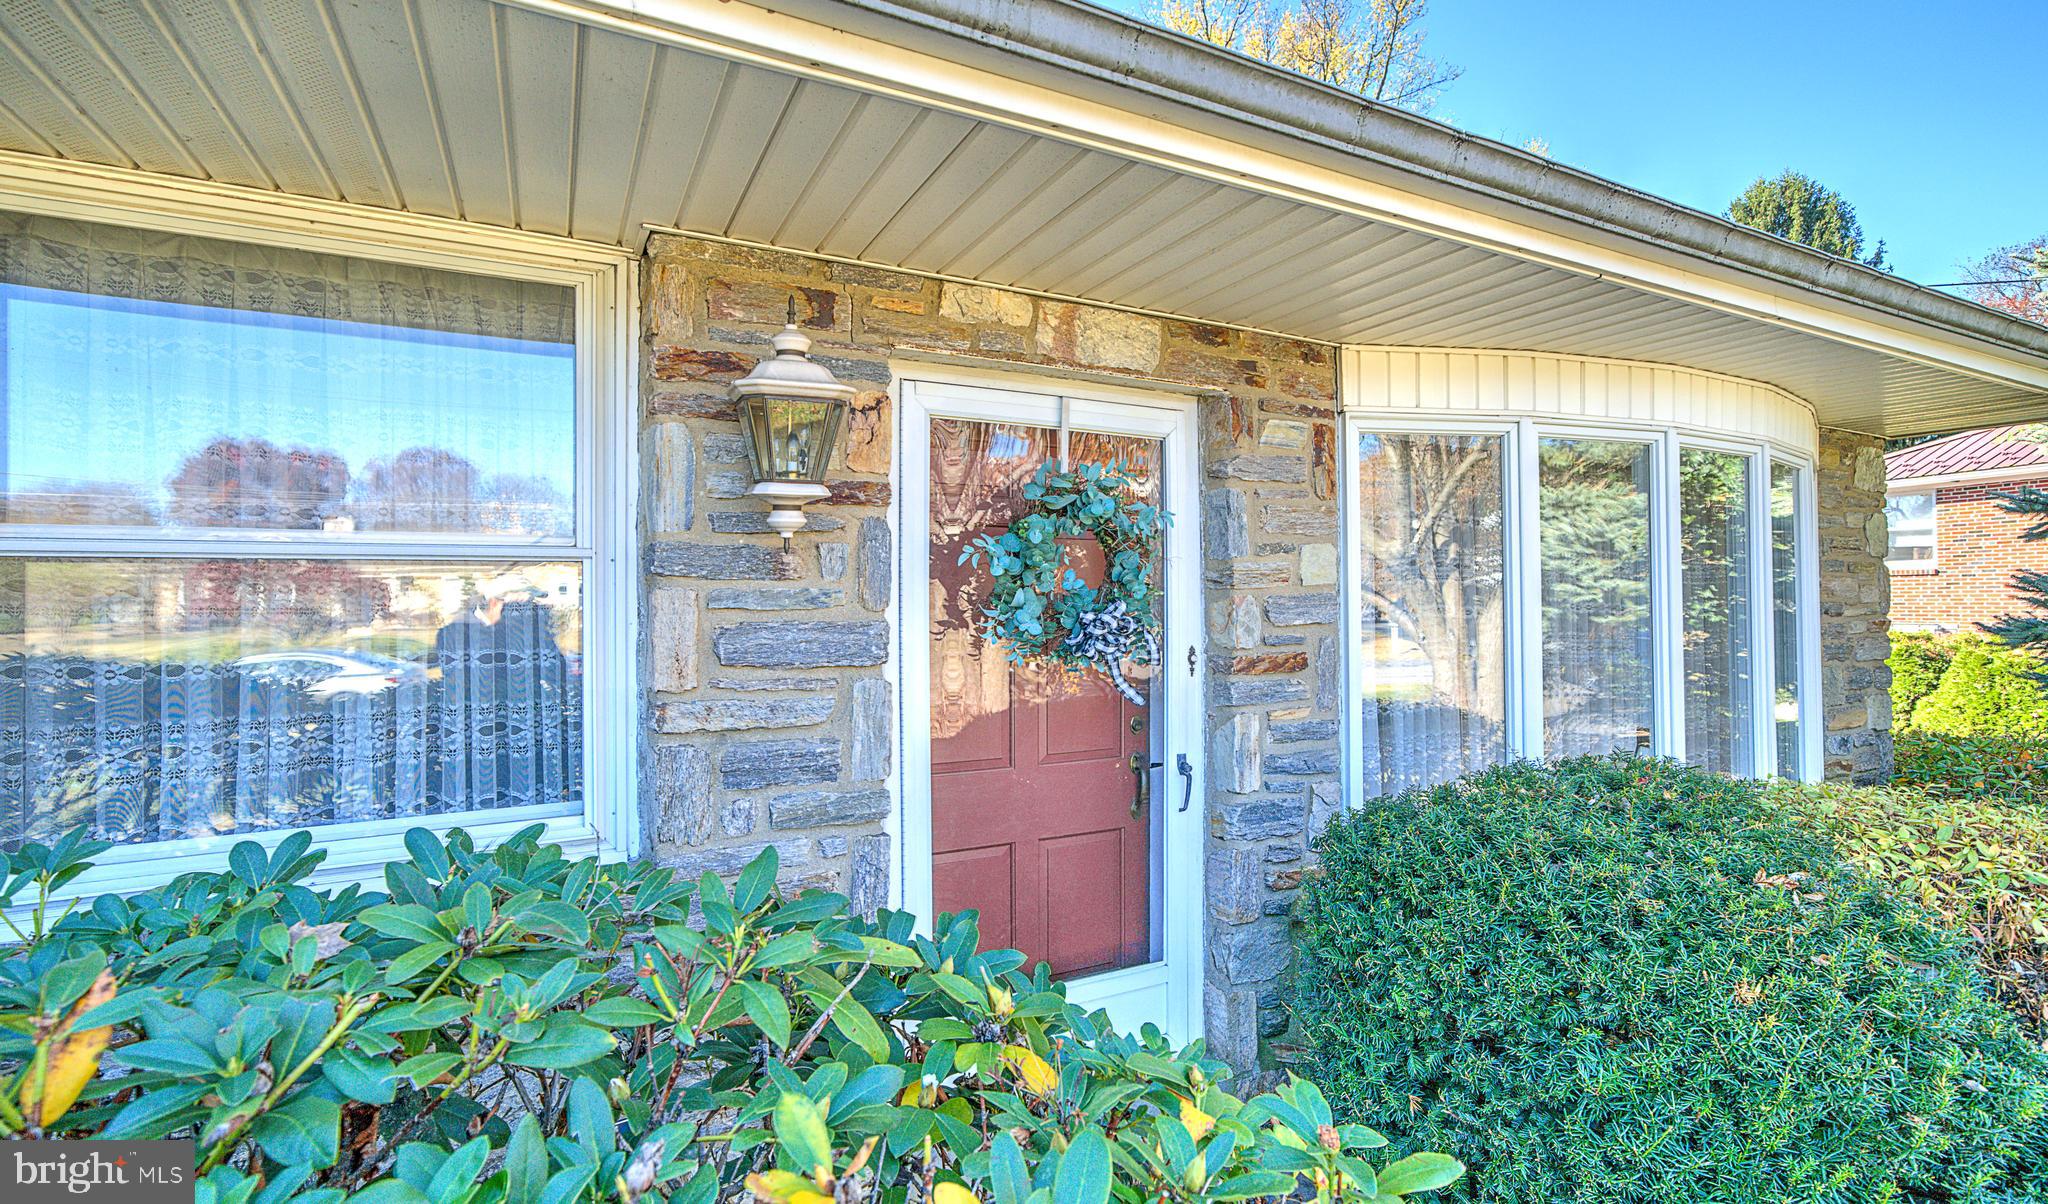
{"x": 1187, "y": 779}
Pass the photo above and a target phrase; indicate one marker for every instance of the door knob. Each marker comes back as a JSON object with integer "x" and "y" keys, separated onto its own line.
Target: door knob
{"x": 1141, "y": 787}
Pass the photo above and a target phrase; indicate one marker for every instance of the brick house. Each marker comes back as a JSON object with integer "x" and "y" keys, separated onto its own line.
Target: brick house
{"x": 1952, "y": 549}
{"x": 371, "y": 458}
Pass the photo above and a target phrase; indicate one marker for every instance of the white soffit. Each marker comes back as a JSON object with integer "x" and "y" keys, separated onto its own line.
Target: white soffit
{"x": 508, "y": 116}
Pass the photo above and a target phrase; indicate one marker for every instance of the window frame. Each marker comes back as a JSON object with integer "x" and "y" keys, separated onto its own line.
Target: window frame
{"x": 604, "y": 282}
{"x": 1522, "y": 709}
{"x": 1931, "y": 539}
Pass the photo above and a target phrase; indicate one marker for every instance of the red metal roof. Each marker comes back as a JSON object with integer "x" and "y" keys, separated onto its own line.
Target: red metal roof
{"x": 1992, "y": 449}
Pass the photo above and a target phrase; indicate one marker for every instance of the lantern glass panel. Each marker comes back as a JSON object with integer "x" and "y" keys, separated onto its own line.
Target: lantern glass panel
{"x": 789, "y": 438}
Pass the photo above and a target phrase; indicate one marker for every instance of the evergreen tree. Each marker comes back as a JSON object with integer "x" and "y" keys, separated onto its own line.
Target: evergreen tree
{"x": 1804, "y": 210}
{"x": 2030, "y": 630}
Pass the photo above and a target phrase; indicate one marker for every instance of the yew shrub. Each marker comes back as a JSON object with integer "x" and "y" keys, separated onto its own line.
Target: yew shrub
{"x": 1627, "y": 980}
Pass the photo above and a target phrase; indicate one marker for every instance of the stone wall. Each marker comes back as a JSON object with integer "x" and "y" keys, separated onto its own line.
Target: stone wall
{"x": 770, "y": 708}
{"x": 1855, "y": 593}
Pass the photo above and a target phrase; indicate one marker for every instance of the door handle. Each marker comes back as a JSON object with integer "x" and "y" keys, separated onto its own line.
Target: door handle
{"x": 1187, "y": 779}
{"x": 1141, "y": 787}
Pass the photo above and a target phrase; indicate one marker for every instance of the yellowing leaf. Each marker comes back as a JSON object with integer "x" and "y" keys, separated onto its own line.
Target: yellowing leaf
{"x": 1032, "y": 1071}
{"x": 953, "y": 1193}
{"x": 73, "y": 1062}
{"x": 1195, "y": 1121}
{"x": 783, "y": 1187}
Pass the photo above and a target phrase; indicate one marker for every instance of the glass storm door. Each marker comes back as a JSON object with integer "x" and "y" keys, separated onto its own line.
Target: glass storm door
{"x": 1042, "y": 782}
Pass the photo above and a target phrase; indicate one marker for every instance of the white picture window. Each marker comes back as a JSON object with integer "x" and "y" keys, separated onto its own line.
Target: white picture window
{"x": 1546, "y": 590}
{"x": 291, "y": 539}
{"x": 1909, "y": 526}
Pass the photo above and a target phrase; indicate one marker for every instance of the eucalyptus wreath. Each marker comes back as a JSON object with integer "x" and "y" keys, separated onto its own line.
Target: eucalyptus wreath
{"x": 1041, "y": 611}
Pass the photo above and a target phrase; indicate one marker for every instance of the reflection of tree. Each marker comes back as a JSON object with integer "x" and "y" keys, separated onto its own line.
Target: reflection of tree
{"x": 1713, "y": 507}
{"x": 298, "y": 597}
{"x": 979, "y": 470}
{"x": 1432, "y": 544}
{"x": 1785, "y": 615}
{"x": 433, "y": 489}
{"x": 1594, "y": 519}
{"x": 525, "y": 505}
{"x": 419, "y": 489}
{"x": 255, "y": 483}
{"x": 1431, "y": 538}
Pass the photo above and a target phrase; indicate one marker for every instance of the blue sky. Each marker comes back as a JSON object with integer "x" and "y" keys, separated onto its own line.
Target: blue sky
{"x": 1928, "y": 117}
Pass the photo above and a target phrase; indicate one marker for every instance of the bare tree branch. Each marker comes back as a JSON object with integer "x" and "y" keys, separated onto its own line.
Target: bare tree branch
{"x": 1371, "y": 47}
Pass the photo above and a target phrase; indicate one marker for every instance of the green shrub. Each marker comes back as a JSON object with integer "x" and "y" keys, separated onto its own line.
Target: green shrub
{"x": 1626, "y": 980}
{"x": 1988, "y": 689}
{"x": 1982, "y": 863}
{"x": 511, "y": 1027}
{"x": 1917, "y": 662}
{"x": 2008, "y": 768}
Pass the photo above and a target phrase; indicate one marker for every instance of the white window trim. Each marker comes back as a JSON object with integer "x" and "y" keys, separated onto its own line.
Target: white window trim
{"x": 1929, "y": 539}
{"x": 1523, "y": 706}
{"x": 604, "y": 279}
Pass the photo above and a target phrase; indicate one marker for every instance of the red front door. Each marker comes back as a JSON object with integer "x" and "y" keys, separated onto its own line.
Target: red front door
{"x": 1037, "y": 822}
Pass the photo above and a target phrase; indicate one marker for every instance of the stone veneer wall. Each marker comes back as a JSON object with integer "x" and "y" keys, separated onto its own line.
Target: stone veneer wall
{"x": 1855, "y": 594}
{"x": 770, "y": 707}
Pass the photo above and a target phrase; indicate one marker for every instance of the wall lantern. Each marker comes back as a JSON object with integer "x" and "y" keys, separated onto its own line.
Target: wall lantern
{"x": 792, "y": 409}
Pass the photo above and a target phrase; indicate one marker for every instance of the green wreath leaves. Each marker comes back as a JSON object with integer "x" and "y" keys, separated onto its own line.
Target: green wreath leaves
{"x": 1040, "y": 610}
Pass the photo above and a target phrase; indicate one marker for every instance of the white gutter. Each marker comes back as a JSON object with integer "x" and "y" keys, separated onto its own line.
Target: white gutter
{"x": 1070, "y": 72}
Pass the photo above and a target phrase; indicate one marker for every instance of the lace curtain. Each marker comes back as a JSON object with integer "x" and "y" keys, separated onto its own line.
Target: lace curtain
{"x": 151, "y": 265}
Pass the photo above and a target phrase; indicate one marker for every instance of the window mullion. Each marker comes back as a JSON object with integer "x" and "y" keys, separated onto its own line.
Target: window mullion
{"x": 1806, "y": 524}
{"x": 1667, "y": 611}
{"x": 1763, "y": 612}
{"x": 283, "y": 545}
{"x": 1525, "y": 604}
{"x": 1351, "y": 608}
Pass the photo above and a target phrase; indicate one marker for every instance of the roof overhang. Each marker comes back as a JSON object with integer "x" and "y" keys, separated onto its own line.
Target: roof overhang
{"x": 1046, "y": 146}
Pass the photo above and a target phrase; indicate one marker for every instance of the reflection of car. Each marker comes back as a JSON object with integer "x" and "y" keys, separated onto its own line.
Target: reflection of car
{"x": 331, "y": 673}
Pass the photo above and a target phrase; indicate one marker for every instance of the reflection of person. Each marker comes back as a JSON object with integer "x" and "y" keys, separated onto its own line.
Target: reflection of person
{"x": 500, "y": 679}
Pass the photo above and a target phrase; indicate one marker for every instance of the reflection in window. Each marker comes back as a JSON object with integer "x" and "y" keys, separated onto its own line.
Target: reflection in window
{"x": 1430, "y": 543}
{"x": 1785, "y": 633}
{"x": 163, "y": 699}
{"x": 978, "y": 472}
{"x": 277, "y": 400}
{"x": 1909, "y": 530}
{"x": 159, "y": 381}
{"x": 1593, "y": 509}
{"x": 1714, "y": 565}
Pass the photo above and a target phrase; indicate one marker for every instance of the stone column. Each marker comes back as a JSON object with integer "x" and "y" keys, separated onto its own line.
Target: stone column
{"x": 1855, "y": 596}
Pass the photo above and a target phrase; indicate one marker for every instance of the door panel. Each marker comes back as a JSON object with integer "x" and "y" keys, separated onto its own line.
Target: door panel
{"x": 1033, "y": 817}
